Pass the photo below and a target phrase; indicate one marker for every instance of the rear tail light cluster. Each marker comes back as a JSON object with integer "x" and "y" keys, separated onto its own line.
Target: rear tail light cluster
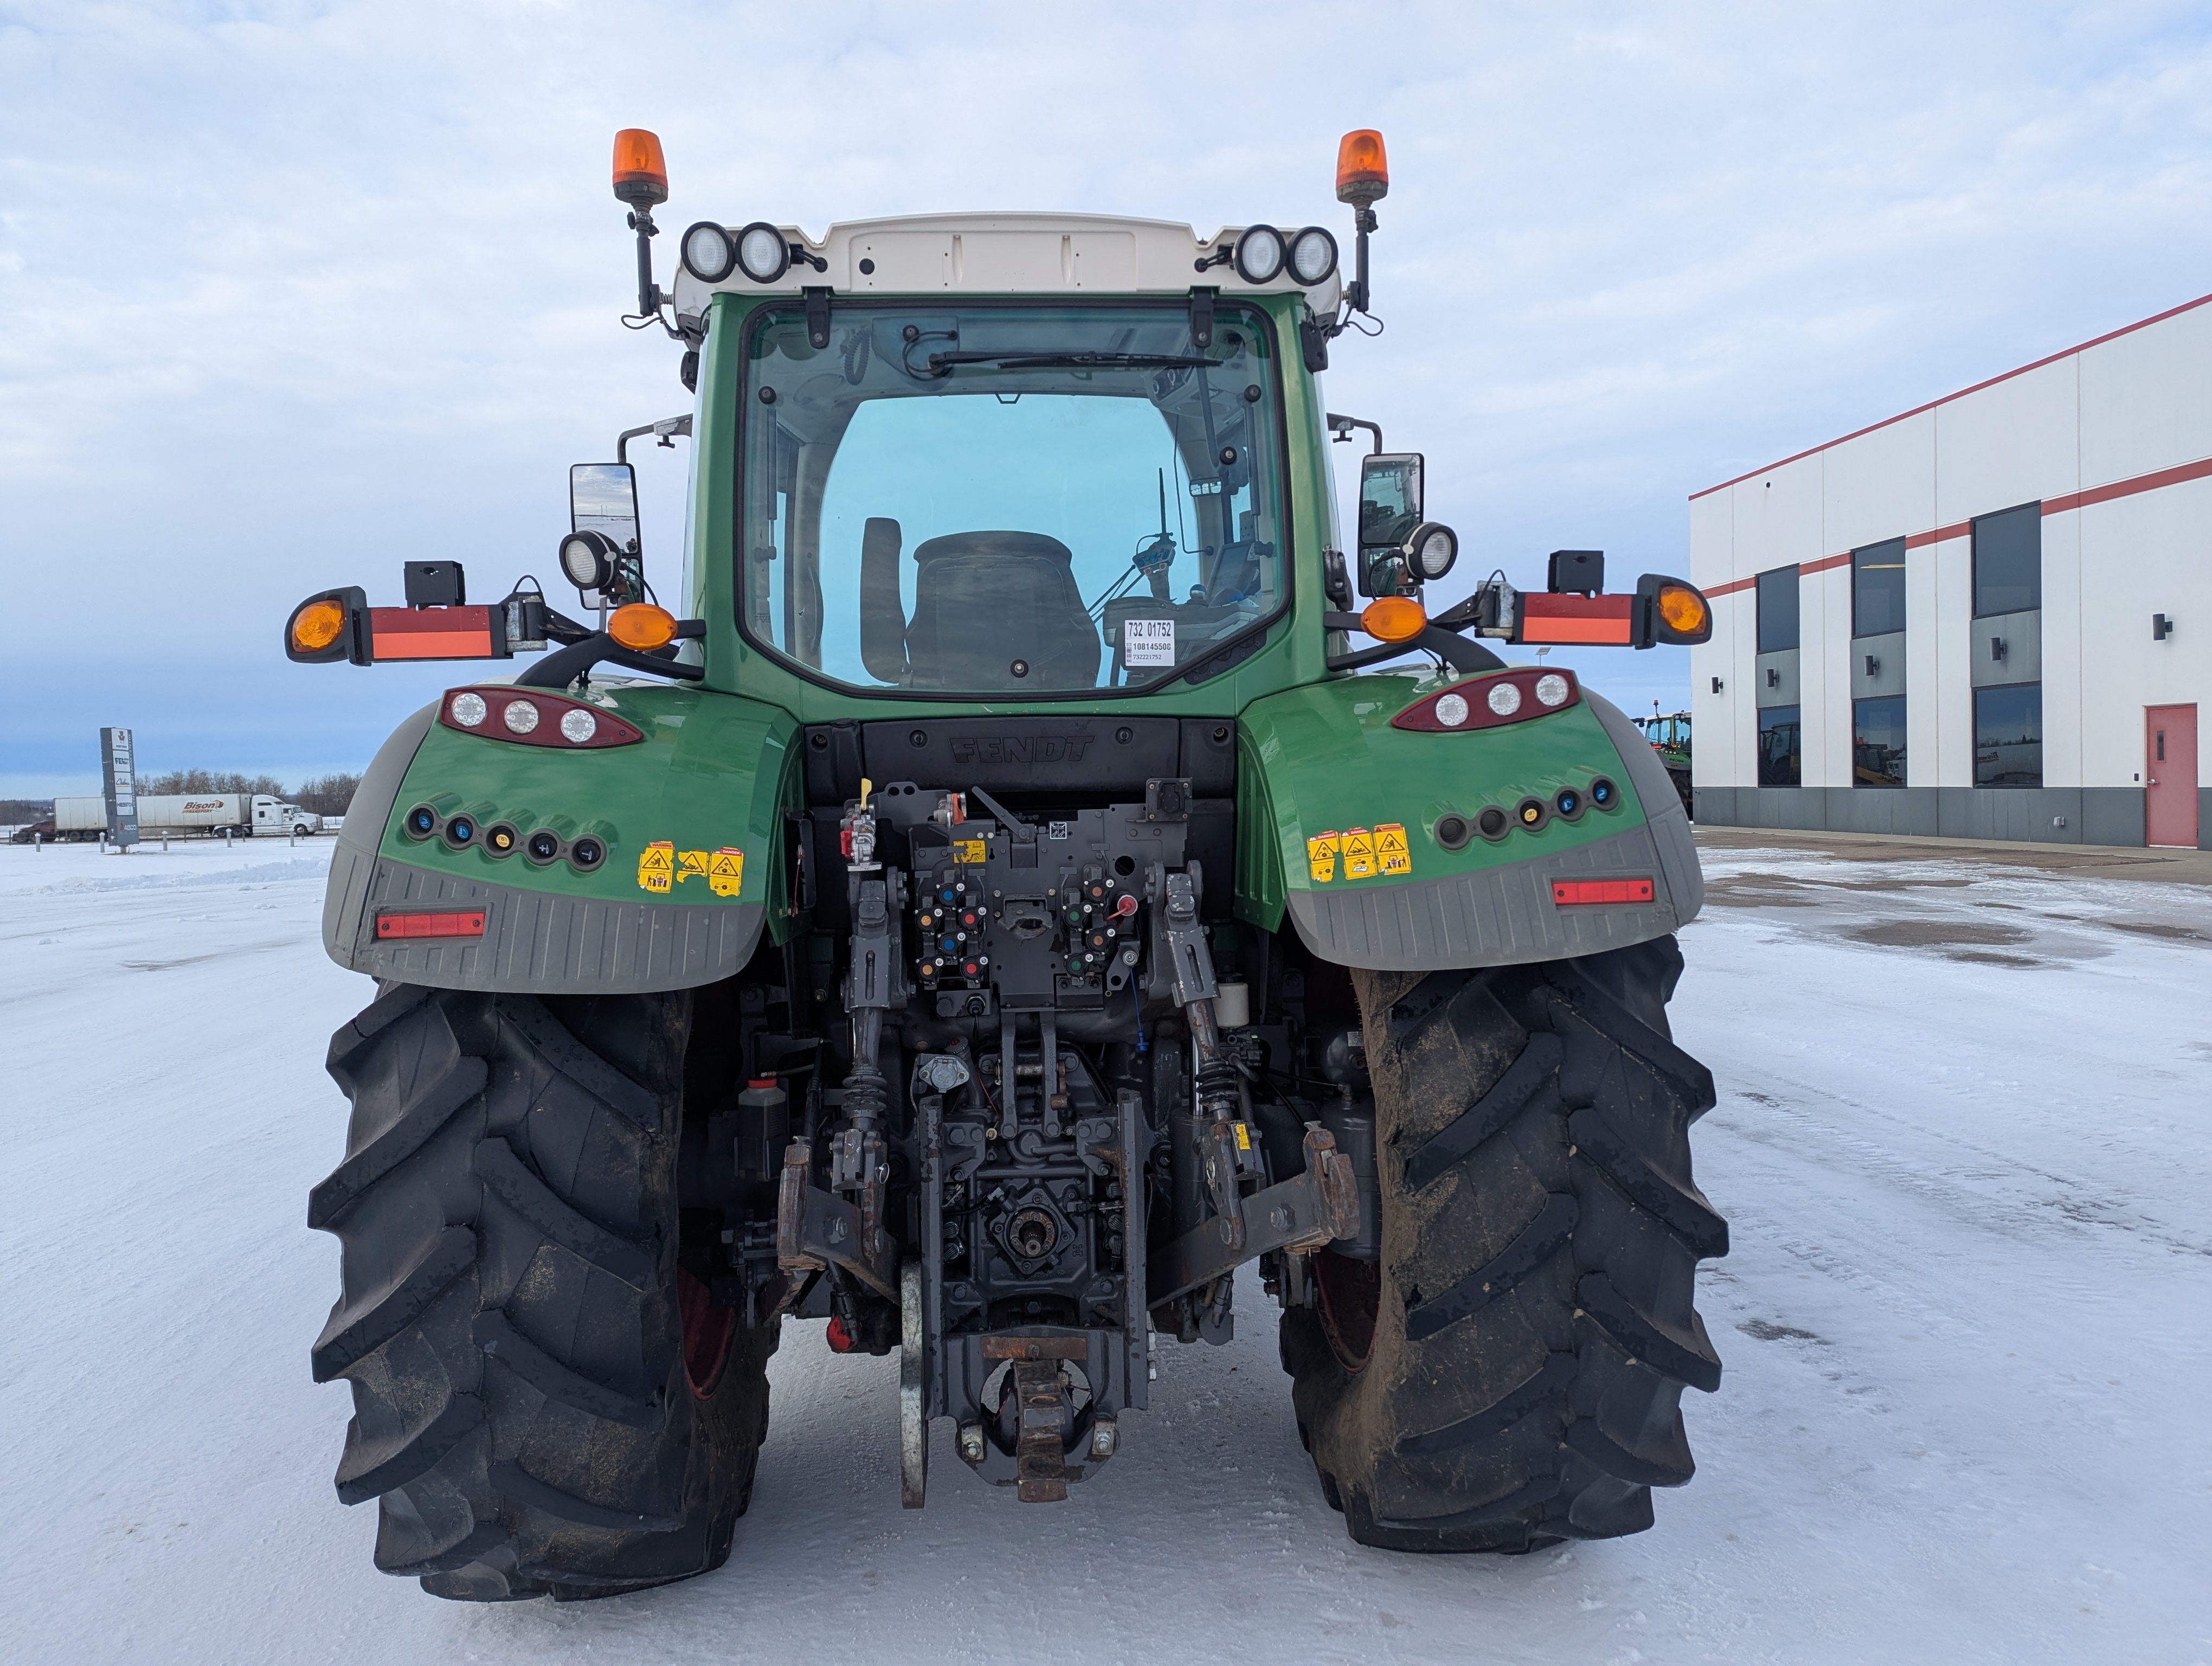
{"x": 1532, "y": 814}
{"x": 535, "y": 719}
{"x": 1485, "y": 702}
{"x": 459, "y": 830}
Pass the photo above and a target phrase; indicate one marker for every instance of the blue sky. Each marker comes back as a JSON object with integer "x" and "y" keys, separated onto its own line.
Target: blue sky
{"x": 291, "y": 292}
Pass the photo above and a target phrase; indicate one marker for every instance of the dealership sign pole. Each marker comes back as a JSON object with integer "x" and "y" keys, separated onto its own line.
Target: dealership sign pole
{"x": 121, "y": 786}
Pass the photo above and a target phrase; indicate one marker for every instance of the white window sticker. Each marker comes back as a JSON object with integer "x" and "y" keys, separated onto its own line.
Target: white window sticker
{"x": 1148, "y": 643}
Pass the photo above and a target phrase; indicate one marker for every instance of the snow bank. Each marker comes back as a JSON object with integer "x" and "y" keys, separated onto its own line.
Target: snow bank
{"x": 1964, "y": 1136}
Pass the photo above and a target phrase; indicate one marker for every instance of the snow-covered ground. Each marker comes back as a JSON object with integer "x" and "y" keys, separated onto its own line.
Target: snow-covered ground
{"x": 1964, "y": 1139}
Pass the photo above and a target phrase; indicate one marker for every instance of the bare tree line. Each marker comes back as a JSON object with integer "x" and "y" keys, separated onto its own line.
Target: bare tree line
{"x": 326, "y": 795}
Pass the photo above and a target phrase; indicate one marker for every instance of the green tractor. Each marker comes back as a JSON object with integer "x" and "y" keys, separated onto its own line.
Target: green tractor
{"x": 1017, "y": 885}
{"x": 1669, "y": 735}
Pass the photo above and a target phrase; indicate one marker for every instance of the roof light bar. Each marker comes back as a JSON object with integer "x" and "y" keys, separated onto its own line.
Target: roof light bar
{"x": 763, "y": 254}
{"x": 708, "y": 251}
{"x": 1261, "y": 252}
{"x": 1313, "y": 256}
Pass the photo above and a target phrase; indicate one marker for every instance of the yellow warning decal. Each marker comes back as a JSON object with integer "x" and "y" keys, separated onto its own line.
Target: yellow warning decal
{"x": 1320, "y": 856}
{"x": 1359, "y": 854}
{"x": 726, "y": 872}
{"x": 690, "y": 865}
{"x": 967, "y": 850}
{"x": 656, "y": 865}
{"x": 1243, "y": 1138}
{"x": 1390, "y": 847}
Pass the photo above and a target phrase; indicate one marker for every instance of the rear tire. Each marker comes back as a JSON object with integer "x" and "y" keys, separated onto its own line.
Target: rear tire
{"x": 1532, "y": 1326}
{"x": 545, "y": 1401}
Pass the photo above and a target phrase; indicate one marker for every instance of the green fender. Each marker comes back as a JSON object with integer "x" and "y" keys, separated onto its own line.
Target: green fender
{"x": 1338, "y": 818}
{"x": 692, "y": 818}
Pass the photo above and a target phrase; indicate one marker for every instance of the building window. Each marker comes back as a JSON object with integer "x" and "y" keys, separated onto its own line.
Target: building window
{"x": 2008, "y": 736}
{"x": 1778, "y": 610}
{"x": 1878, "y": 589}
{"x": 2009, "y": 561}
{"x": 1878, "y": 742}
{"x": 1779, "y": 764}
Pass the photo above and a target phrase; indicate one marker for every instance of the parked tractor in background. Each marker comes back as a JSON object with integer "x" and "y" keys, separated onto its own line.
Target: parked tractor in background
{"x": 1670, "y": 738}
{"x": 1018, "y": 884}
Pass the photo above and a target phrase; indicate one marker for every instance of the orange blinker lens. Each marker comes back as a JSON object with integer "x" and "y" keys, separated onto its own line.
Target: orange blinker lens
{"x": 1363, "y": 169}
{"x": 1394, "y": 619}
{"x": 317, "y": 625}
{"x": 641, "y": 626}
{"x": 640, "y": 174}
{"x": 1682, "y": 608}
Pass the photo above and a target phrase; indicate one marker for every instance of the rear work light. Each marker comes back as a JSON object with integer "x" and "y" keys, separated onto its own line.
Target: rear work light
{"x": 1485, "y": 702}
{"x": 413, "y": 923}
{"x": 532, "y": 717}
{"x": 1582, "y": 893}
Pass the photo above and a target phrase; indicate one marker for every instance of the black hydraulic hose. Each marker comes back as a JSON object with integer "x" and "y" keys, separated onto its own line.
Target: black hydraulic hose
{"x": 1453, "y": 650}
{"x": 564, "y": 665}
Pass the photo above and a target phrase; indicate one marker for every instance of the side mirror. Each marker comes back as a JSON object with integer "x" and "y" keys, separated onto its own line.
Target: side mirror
{"x": 1390, "y": 511}
{"x": 603, "y": 502}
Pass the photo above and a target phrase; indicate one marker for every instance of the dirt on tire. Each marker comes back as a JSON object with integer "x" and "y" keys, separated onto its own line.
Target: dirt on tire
{"x": 1515, "y": 1376}
{"x": 513, "y": 1306}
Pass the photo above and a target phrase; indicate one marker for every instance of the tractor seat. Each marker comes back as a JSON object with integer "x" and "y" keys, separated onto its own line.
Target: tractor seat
{"x": 985, "y": 600}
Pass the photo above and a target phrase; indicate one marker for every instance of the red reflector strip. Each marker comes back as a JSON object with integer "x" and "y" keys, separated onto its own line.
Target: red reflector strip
{"x": 1569, "y": 893}
{"x": 429, "y": 633}
{"x": 1545, "y": 618}
{"x": 466, "y": 922}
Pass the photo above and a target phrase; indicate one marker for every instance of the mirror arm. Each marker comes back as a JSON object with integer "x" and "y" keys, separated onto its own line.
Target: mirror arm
{"x": 560, "y": 628}
{"x": 568, "y": 664}
{"x": 1461, "y": 655}
{"x": 666, "y": 428}
{"x": 1341, "y": 430}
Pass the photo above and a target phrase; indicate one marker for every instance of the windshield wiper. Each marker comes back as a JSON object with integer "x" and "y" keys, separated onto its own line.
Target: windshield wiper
{"x": 1078, "y": 360}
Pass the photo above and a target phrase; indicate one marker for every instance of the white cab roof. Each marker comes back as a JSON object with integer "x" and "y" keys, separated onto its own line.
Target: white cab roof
{"x": 1008, "y": 254}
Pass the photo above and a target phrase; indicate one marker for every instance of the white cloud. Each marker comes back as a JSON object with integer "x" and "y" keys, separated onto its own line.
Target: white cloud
{"x": 293, "y": 290}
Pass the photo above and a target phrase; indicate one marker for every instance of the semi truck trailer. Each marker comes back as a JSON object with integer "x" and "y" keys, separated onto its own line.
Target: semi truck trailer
{"x": 244, "y": 814}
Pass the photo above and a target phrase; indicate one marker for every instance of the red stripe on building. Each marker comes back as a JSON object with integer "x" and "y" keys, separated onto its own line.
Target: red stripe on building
{"x": 2178, "y": 475}
{"x": 1888, "y": 422}
{"x": 1922, "y": 540}
{"x": 2141, "y": 483}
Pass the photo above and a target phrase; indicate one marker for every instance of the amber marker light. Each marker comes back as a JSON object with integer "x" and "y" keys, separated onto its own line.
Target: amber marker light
{"x": 317, "y": 625}
{"x": 1681, "y": 608}
{"x": 640, "y": 174}
{"x": 327, "y": 627}
{"x": 1394, "y": 619}
{"x": 641, "y": 626}
{"x": 1669, "y": 611}
{"x": 1363, "y": 170}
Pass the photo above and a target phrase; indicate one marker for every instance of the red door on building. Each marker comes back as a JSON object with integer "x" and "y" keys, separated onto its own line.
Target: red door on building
{"x": 2170, "y": 775}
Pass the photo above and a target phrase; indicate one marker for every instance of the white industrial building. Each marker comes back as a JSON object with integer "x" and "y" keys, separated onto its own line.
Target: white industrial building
{"x": 1989, "y": 617}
